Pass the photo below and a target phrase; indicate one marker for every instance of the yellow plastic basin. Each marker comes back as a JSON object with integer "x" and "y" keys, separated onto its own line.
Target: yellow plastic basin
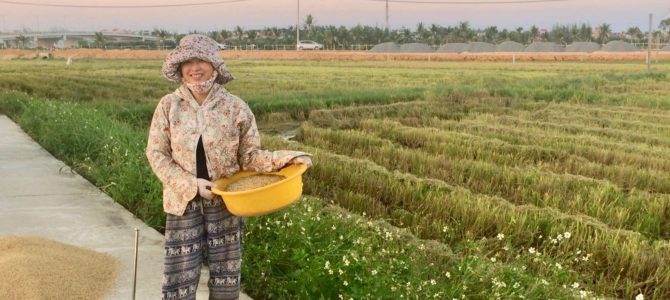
{"x": 263, "y": 200}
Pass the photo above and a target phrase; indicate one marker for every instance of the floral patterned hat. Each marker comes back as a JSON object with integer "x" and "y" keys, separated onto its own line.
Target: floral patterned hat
{"x": 195, "y": 46}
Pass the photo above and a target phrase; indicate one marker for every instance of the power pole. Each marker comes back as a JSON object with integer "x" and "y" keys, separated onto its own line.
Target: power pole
{"x": 649, "y": 45}
{"x": 386, "y": 24}
{"x": 297, "y": 27}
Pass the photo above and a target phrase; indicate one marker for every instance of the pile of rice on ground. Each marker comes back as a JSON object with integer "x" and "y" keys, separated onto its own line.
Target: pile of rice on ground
{"x": 38, "y": 268}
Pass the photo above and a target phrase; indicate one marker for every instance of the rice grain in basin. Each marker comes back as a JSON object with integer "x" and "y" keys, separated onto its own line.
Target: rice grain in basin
{"x": 253, "y": 182}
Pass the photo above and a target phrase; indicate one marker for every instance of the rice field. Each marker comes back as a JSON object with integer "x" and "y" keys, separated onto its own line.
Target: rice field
{"x": 466, "y": 180}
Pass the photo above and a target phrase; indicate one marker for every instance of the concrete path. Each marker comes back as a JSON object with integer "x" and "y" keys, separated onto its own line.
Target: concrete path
{"x": 41, "y": 196}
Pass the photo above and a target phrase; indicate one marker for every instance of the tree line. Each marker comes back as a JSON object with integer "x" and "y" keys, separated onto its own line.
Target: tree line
{"x": 341, "y": 37}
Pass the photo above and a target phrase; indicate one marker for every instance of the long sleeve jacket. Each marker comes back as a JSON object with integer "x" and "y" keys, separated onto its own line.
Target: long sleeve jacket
{"x": 229, "y": 135}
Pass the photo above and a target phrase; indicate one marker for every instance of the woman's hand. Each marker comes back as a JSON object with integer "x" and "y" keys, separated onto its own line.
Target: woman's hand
{"x": 205, "y": 188}
{"x": 303, "y": 159}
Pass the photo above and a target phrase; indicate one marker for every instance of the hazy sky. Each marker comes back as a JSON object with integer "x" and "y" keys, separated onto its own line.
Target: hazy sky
{"x": 257, "y": 14}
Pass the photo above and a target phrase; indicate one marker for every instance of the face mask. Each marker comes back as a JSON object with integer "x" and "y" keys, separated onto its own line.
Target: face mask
{"x": 202, "y": 87}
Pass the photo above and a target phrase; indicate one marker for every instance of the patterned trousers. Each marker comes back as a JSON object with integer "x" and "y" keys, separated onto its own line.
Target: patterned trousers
{"x": 206, "y": 225}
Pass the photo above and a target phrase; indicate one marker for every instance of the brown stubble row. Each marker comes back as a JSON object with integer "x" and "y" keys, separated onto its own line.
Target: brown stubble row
{"x": 426, "y": 205}
{"x": 522, "y": 172}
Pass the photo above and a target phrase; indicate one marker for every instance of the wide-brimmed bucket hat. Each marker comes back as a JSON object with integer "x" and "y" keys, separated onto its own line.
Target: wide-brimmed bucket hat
{"x": 195, "y": 46}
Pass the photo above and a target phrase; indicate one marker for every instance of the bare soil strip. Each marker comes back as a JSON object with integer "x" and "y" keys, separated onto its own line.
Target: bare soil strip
{"x": 345, "y": 55}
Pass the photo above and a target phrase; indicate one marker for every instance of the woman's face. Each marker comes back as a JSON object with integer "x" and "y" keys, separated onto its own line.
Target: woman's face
{"x": 196, "y": 70}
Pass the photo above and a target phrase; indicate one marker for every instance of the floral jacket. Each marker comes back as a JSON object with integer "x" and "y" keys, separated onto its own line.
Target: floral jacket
{"x": 229, "y": 134}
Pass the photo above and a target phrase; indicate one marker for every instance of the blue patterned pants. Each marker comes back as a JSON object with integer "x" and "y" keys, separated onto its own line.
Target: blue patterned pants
{"x": 205, "y": 226}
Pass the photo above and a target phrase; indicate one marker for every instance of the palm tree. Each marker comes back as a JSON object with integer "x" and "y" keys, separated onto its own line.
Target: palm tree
{"x": 21, "y": 40}
{"x": 420, "y": 31}
{"x": 585, "y": 33}
{"x": 574, "y": 33}
{"x": 100, "y": 40}
{"x": 330, "y": 37}
{"x": 309, "y": 24}
{"x": 517, "y": 35}
{"x": 357, "y": 35}
{"x": 665, "y": 25}
{"x": 270, "y": 36}
{"x": 343, "y": 37}
{"x": 162, "y": 34}
{"x": 522, "y": 36}
{"x": 463, "y": 32}
{"x": 491, "y": 34}
{"x": 604, "y": 33}
{"x": 635, "y": 34}
{"x": 225, "y": 34}
{"x": 435, "y": 36}
{"x": 239, "y": 33}
{"x": 561, "y": 34}
{"x": 405, "y": 36}
{"x": 657, "y": 36}
{"x": 534, "y": 33}
{"x": 252, "y": 34}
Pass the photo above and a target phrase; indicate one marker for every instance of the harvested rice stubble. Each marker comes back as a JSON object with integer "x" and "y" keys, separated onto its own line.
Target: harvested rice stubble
{"x": 38, "y": 268}
{"x": 253, "y": 182}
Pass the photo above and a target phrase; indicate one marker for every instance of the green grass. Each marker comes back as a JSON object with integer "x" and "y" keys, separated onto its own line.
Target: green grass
{"x": 289, "y": 249}
{"x": 542, "y": 180}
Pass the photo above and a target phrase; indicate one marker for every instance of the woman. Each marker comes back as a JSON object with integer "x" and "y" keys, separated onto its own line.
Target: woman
{"x": 199, "y": 133}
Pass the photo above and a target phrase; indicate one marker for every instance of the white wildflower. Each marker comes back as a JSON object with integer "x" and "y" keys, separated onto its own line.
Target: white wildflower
{"x": 345, "y": 260}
